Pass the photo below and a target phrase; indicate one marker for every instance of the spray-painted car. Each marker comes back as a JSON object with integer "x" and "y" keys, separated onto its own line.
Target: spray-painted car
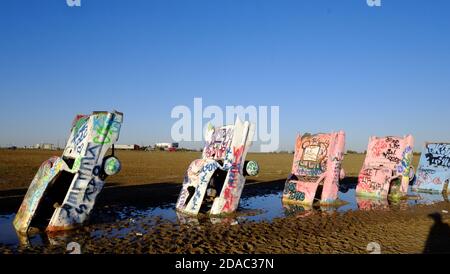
{"x": 387, "y": 169}
{"x": 64, "y": 190}
{"x": 433, "y": 174}
{"x": 317, "y": 169}
{"x": 222, "y": 169}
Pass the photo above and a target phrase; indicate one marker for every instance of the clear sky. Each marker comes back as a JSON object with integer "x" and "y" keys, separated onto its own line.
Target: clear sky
{"x": 329, "y": 65}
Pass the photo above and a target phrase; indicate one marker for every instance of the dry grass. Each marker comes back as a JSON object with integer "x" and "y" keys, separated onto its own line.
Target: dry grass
{"x": 18, "y": 167}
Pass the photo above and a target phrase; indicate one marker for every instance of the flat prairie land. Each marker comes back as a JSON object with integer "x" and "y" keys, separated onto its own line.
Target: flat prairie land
{"x": 18, "y": 167}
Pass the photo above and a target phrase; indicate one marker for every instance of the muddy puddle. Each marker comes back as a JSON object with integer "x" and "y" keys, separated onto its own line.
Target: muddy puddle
{"x": 123, "y": 221}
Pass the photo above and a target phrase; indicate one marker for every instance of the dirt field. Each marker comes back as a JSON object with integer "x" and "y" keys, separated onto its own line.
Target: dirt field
{"x": 18, "y": 167}
{"x": 421, "y": 229}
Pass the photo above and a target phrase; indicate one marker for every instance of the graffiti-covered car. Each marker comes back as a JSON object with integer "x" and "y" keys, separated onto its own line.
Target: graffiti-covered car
{"x": 433, "y": 173}
{"x": 387, "y": 169}
{"x": 219, "y": 176}
{"x": 317, "y": 169}
{"x": 64, "y": 190}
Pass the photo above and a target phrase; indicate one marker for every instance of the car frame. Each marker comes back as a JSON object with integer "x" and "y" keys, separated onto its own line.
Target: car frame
{"x": 65, "y": 188}
{"x": 222, "y": 169}
{"x": 317, "y": 167}
{"x": 433, "y": 173}
{"x": 387, "y": 170}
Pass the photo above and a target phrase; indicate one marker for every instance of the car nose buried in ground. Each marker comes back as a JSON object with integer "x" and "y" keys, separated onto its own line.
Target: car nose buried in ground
{"x": 316, "y": 170}
{"x": 433, "y": 174}
{"x": 387, "y": 169}
{"x": 220, "y": 175}
{"x": 64, "y": 190}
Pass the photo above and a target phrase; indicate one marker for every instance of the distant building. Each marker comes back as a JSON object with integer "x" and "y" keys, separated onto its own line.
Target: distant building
{"x": 127, "y": 147}
{"x": 45, "y": 146}
{"x": 167, "y": 146}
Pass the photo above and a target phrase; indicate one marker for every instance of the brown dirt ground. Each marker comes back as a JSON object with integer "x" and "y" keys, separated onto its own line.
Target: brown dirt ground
{"x": 408, "y": 231}
{"x": 18, "y": 167}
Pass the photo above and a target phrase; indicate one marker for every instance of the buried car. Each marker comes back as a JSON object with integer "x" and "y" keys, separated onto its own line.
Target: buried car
{"x": 387, "y": 169}
{"x": 64, "y": 190}
{"x": 433, "y": 173}
{"x": 220, "y": 175}
{"x": 317, "y": 169}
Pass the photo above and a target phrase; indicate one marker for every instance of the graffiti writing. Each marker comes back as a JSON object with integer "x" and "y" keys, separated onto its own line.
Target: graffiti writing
{"x": 314, "y": 158}
{"x": 86, "y": 181}
{"x": 91, "y": 189}
{"x": 393, "y": 145}
{"x": 290, "y": 190}
{"x": 387, "y": 148}
{"x": 379, "y": 148}
{"x": 438, "y": 155}
{"x": 366, "y": 181}
{"x": 234, "y": 178}
{"x": 79, "y": 137}
{"x": 236, "y": 167}
{"x": 220, "y": 141}
{"x": 46, "y": 173}
{"x": 204, "y": 176}
{"x": 79, "y": 121}
{"x": 427, "y": 176}
{"x": 405, "y": 166}
{"x": 337, "y": 163}
{"x": 105, "y": 129}
{"x": 184, "y": 193}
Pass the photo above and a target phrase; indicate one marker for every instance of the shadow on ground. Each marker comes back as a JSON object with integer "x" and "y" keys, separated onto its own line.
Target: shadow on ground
{"x": 439, "y": 238}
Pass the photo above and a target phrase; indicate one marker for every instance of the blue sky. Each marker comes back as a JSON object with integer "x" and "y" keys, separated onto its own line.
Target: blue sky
{"x": 329, "y": 65}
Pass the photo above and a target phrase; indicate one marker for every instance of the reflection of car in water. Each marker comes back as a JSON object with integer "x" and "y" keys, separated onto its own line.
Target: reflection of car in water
{"x": 367, "y": 203}
{"x": 217, "y": 180}
{"x": 298, "y": 210}
{"x": 37, "y": 238}
{"x": 303, "y": 210}
{"x": 190, "y": 220}
{"x": 64, "y": 190}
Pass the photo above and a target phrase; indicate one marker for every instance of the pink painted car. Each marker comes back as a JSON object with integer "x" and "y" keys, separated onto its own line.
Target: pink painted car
{"x": 387, "y": 169}
{"x": 317, "y": 169}
{"x": 219, "y": 176}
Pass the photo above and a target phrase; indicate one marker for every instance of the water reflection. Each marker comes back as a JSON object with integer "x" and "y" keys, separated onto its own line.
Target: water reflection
{"x": 36, "y": 238}
{"x": 372, "y": 204}
{"x": 297, "y": 210}
{"x": 189, "y": 220}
